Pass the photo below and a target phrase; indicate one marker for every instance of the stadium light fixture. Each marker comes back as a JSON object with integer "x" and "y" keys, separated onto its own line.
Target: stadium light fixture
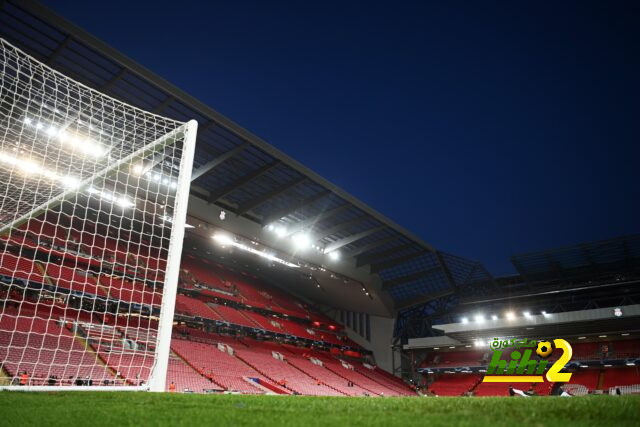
{"x": 226, "y": 240}
{"x": 76, "y": 141}
{"x": 464, "y": 320}
{"x": 584, "y": 366}
{"x": 526, "y": 314}
{"x": 30, "y": 167}
{"x": 334, "y": 256}
{"x": 544, "y": 313}
{"x": 510, "y": 315}
{"x": 582, "y": 338}
{"x": 436, "y": 348}
{"x": 301, "y": 240}
{"x": 453, "y": 346}
{"x": 602, "y": 336}
{"x": 625, "y": 334}
{"x": 479, "y": 318}
{"x": 479, "y": 343}
{"x": 281, "y": 231}
{"x": 630, "y": 364}
{"x": 494, "y": 317}
{"x": 223, "y": 239}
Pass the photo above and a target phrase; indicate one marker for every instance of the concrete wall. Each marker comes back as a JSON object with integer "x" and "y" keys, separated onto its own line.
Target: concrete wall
{"x": 381, "y": 337}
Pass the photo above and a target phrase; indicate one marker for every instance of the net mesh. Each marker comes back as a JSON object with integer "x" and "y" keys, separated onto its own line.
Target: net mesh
{"x": 88, "y": 198}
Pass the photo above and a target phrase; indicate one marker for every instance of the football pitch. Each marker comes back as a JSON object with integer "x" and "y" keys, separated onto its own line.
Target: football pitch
{"x": 135, "y": 408}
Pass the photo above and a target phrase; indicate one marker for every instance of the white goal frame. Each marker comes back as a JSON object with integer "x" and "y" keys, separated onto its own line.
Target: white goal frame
{"x": 186, "y": 133}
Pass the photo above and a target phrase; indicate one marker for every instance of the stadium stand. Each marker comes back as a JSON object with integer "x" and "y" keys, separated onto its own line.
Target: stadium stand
{"x": 454, "y": 385}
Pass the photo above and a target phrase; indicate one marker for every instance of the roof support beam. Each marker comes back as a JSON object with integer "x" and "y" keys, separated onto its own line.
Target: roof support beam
{"x": 164, "y": 104}
{"x": 59, "y": 49}
{"x": 270, "y": 195}
{"x": 353, "y": 238}
{"x": 294, "y": 207}
{"x": 366, "y": 248}
{"x": 107, "y": 86}
{"x": 447, "y": 273}
{"x": 424, "y": 300}
{"x": 369, "y": 259}
{"x": 343, "y": 226}
{"x": 309, "y": 222}
{"x": 209, "y": 166}
{"x": 375, "y": 268}
{"x": 410, "y": 278}
{"x": 221, "y": 192}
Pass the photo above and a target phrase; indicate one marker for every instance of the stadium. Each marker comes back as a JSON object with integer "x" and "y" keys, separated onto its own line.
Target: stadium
{"x": 161, "y": 264}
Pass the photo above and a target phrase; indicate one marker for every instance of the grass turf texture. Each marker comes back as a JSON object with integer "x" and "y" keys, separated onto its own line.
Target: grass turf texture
{"x": 136, "y": 408}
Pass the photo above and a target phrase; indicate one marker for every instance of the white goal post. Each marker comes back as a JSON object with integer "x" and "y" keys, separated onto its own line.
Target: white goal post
{"x": 93, "y": 202}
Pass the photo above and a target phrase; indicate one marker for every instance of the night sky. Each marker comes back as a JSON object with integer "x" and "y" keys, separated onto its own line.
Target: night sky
{"x": 487, "y": 129}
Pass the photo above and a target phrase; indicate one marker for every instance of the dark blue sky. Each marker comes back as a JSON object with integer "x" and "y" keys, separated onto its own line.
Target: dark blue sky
{"x": 486, "y": 128}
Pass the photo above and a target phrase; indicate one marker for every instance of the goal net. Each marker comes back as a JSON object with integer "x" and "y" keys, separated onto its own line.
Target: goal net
{"x": 93, "y": 196}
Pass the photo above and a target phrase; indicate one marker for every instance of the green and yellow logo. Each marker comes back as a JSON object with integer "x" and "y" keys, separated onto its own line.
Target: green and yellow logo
{"x": 522, "y": 368}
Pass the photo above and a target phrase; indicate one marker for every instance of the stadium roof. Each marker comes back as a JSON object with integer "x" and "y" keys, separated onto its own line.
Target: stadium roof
{"x": 579, "y": 261}
{"x": 237, "y": 171}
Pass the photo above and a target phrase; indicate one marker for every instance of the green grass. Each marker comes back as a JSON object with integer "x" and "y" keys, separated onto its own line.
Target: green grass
{"x": 130, "y": 408}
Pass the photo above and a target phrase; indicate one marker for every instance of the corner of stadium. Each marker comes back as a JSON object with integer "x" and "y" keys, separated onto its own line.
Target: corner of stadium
{"x": 292, "y": 302}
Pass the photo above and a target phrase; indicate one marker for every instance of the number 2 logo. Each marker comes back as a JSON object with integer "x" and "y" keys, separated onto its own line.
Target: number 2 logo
{"x": 554, "y": 374}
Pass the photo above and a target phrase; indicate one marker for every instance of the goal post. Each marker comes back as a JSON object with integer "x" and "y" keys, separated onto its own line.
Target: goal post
{"x": 93, "y": 201}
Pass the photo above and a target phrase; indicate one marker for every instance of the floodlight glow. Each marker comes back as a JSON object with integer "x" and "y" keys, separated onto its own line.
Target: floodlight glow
{"x": 301, "y": 240}
{"x": 494, "y": 317}
{"x": 118, "y": 199}
{"x": 70, "y": 182}
{"x": 510, "y": 315}
{"x": 281, "y": 231}
{"x": 479, "y": 343}
{"x": 334, "y": 256}
{"x": 464, "y": 320}
{"x": 123, "y": 202}
{"x": 544, "y": 313}
{"x": 270, "y": 227}
{"x": 479, "y": 318}
{"x": 582, "y": 338}
{"x": 31, "y": 168}
{"x": 226, "y": 240}
{"x": 137, "y": 169}
{"x": 526, "y": 314}
{"x": 223, "y": 239}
